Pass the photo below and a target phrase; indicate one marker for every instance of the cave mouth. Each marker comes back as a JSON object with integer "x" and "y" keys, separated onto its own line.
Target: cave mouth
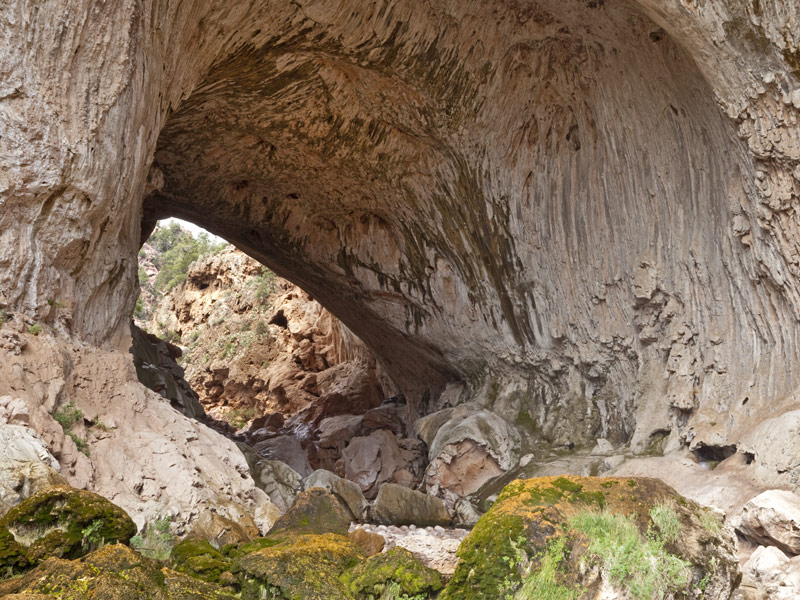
{"x": 254, "y": 356}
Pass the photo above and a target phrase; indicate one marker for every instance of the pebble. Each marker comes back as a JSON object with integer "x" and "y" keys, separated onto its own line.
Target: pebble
{"x": 435, "y": 547}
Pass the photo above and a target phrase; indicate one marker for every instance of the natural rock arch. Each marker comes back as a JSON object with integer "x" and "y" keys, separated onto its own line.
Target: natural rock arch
{"x": 562, "y": 204}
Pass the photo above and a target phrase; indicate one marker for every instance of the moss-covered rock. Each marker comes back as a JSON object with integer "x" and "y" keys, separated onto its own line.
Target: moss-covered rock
{"x": 59, "y": 522}
{"x": 533, "y": 536}
{"x": 111, "y": 573}
{"x": 370, "y": 579}
{"x": 199, "y": 559}
{"x": 314, "y": 511}
{"x": 306, "y": 567}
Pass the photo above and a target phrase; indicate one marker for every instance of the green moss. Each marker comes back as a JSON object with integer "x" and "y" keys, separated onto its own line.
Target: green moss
{"x": 484, "y": 555}
{"x": 372, "y": 578}
{"x": 55, "y": 522}
{"x": 307, "y": 567}
{"x": 198, "y": 558}
{"x": 566, "y": 485}
{"x": 114, "y": 572}
{"x": 314, "y": 511}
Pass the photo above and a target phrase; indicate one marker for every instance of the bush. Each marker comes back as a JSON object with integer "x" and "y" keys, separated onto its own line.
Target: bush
{"x": 155, "y": 540}
{"x": 35, "y": 329}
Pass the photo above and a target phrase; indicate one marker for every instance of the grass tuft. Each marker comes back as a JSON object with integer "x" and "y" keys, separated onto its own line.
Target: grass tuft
{"x": 635, "y": 563}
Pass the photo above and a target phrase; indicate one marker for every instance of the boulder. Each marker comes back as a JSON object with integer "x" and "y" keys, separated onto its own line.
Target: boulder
{"x": 336, "y": 432}
{"x": 373, "y": 460}
{"x": 25, "y": 465}
{"x": 315, "y": 511}
{"x": 279, "y": 481}
{"x": 772, "y": 519}
{"x": 370, "y": 543}
{"x": 347, "y": 491}
{"x": 60, "y": 522}
{"x": 114, "y": 572}
{"x": 396, "y": 569}
{"x": 471, "y": 448}
{"x": 286, "y": 449}
{"x": 399, "y": 505}
{"x": 770, "y": 575}
{"x": 579, "y": 531}
{"x": 307, "y": 567}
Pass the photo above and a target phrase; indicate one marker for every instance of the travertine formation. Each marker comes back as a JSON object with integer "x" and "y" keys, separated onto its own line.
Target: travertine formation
{"x": 578, "y": 214}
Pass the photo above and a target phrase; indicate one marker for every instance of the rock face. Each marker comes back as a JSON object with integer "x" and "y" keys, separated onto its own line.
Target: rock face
{"x": 582, "y": 213}
{"x": 255, "y": 345}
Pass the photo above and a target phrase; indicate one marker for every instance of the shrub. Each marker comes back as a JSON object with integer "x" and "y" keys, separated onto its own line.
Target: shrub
{"x": 67, "y": 415}
{"x": 155, "y": 540}
{"x": 35, "y": 329}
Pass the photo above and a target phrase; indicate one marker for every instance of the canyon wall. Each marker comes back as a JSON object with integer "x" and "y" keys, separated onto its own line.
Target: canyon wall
{"x": 580, "y": 214}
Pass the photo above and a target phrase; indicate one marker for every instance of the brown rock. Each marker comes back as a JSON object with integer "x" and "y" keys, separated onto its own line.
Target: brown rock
{"x": 398, "y": 505}
{"x": 371, "y": 543}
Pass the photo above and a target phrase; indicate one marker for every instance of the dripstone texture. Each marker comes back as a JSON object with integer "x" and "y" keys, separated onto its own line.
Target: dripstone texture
{"x": 582, "y": 212}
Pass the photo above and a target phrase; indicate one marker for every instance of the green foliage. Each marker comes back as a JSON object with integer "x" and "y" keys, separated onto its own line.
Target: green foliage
{"x": 264, "y": 284}
{"x": 139, "y": 310}
{"x": 3, "y": 316}
{"x": 635, "y": 563}
{"x": 666, "y": 519}
{"x": 93, "y": 535}
{"x": 543, "y": 583}
{"x": 155, "y": 540}
{"x": 239, "y": 417}
{"x": 80, "y": 443}
{"x": 177, "y": 250}
{"x": 711, "y": 521}
{"x": 35, "y": 329}
{"x": 67, "y": 415}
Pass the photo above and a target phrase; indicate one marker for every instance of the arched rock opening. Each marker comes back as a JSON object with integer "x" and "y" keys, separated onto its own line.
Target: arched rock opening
{"x": 586, "y": 219}
{"x": 545, "y": 218}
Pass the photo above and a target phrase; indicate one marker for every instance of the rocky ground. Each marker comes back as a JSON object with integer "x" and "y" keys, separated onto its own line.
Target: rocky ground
{"x": 281, "y": 376}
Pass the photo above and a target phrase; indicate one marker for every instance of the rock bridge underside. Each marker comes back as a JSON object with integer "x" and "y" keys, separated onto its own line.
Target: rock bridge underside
{"x": 577, "y": 214}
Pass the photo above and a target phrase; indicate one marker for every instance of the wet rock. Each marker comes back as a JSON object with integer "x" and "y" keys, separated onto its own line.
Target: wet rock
{"x": 398, "y": 566}
{"x": 114, "y": 572}
{"x": 370, "y": 543}
{"x": 399, "y": 505}
{"x": 347, "y": 491}
{"x": 198, "y": 558}
{"x": 559, "y": 518}
{"x": 315, "y": 511}
{"x": 772, "y": 518}
{"x": 60, "y": 522}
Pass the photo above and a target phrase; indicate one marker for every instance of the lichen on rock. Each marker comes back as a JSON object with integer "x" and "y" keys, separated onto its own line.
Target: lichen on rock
{"x": 60, "y": 522}
{"x": 533, "y": 526}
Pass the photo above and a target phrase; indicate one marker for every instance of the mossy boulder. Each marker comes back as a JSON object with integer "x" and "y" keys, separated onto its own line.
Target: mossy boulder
{"x": 535, "y": 535}
{"x": 304, "y": 567}
{"x": 315, "y": 511}
{"x": 59, "y": 522}
{"x": 199, "y": 559}
{"x": 370, "y": 580}
{"x": 113, "y": 572}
